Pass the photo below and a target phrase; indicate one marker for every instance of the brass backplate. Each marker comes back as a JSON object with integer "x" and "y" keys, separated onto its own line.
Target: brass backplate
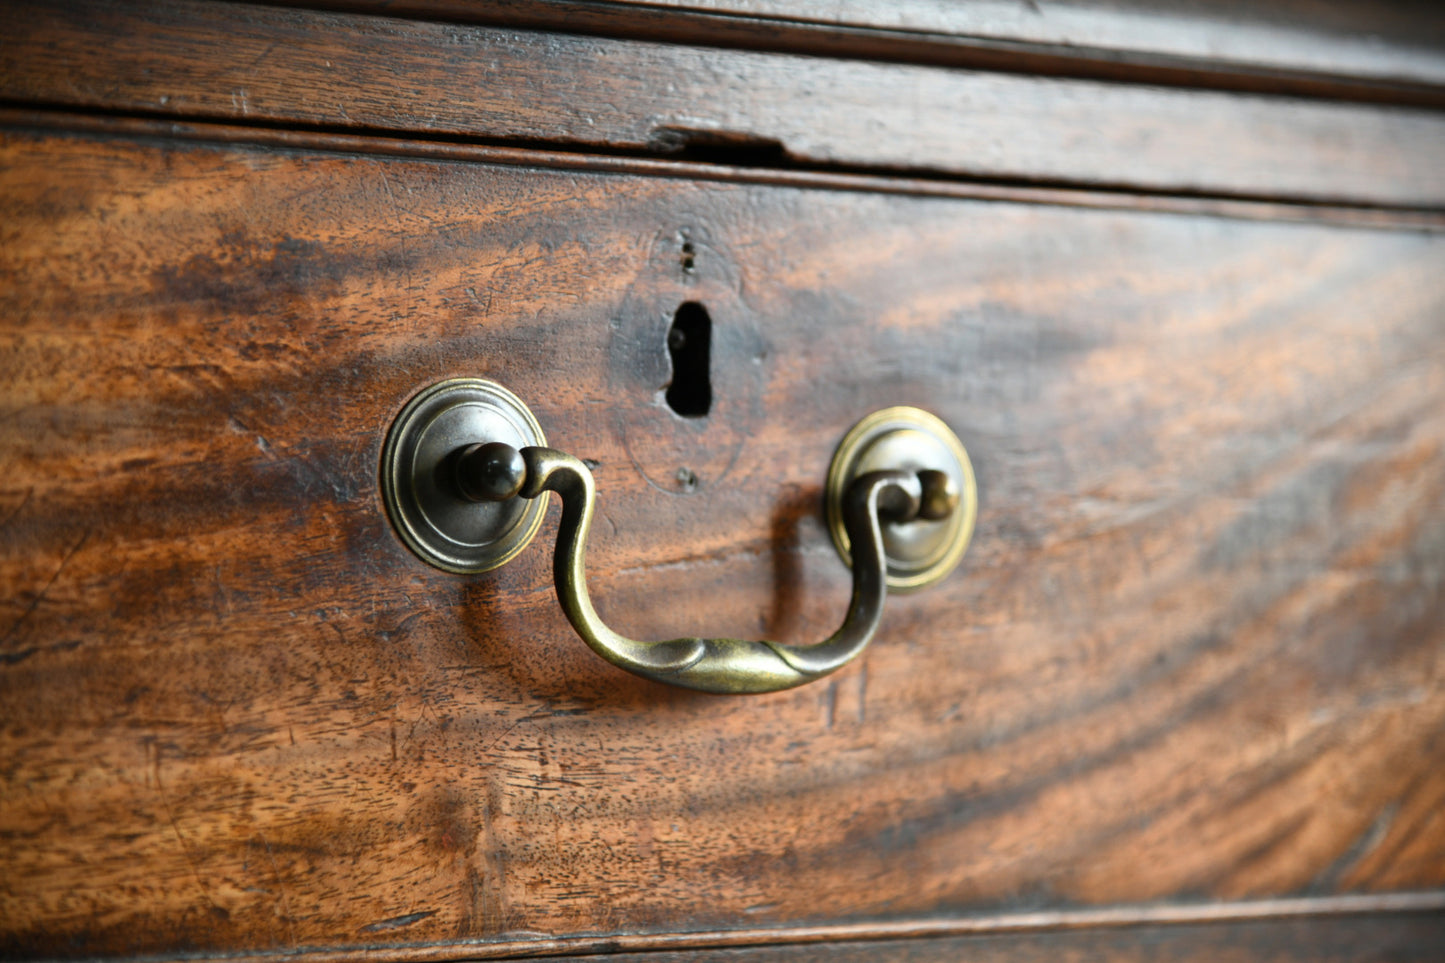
{"x": 433, "y": 519}
{"x": 921, "y": 551}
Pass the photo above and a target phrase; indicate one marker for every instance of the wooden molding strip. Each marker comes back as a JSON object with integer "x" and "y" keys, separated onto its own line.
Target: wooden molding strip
{"x": 237, "y": 63}
{"x": 997, "y": 924}
{"x": 1363, "y": 54}
{"x": 1382, "y": 218}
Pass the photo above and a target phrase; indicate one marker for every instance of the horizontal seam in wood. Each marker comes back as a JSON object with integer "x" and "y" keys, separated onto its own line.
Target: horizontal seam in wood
{"x": 995, "y": 925}
{"x": 910, "y": 183}
{"x": 765, "y": 33}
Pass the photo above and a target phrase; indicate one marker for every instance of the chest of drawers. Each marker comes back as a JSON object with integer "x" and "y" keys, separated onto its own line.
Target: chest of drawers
{"x": 1175, "y": 278}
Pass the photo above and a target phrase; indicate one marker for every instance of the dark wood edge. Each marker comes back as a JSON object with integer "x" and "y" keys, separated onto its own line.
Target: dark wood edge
{"x": 737, "y": 31}
{"x": 1127, "y": 199}
{"x": 1113, "y": 917}
{"x": 522, "y": 89}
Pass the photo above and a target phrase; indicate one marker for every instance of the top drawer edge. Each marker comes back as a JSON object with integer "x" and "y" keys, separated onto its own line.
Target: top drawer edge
{"x": 360, "y": 73}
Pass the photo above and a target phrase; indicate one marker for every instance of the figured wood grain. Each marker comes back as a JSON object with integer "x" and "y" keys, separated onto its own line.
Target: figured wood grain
{"x": 1194, "y": 653}
{"x": 265, "y": 65}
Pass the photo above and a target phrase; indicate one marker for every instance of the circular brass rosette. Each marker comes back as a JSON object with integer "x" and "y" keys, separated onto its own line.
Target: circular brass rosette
{"x": 923, "y": 550}
{"x": 455, "y": 533}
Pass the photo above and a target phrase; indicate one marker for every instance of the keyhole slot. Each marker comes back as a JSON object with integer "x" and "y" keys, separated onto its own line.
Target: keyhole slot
{"x": 689, "y": 345}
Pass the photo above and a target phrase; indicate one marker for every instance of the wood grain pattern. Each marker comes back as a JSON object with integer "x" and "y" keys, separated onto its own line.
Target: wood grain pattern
{"x": 1194, "y": 653}
{"x": 1355, "y": 50}
{"x": 339, "y": 71}
{"x": 1353, "y": 37}
{"x": 1337, "y": 215}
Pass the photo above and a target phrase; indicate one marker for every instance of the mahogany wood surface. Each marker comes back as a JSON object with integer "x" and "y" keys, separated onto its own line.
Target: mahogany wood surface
{"x": 1350, "y": 49}
{"x": 1393, "y": 218}
{"x": 1196, "y": 653}
{"x": 335, "y": 71}
{"x": 1404, "y": 40}
{"x": 1371, "y": 39}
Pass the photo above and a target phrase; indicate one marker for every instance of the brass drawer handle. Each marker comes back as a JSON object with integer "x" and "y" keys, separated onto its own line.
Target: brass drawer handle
{"x": 712, "y": 665}
{"x": 427, "y": 478}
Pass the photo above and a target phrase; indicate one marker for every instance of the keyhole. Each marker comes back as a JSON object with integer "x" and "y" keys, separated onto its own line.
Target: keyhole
{"x": 689, "y": 344}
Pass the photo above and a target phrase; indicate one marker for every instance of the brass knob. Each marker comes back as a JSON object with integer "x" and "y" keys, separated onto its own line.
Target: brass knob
{"x": 920, "y": 552}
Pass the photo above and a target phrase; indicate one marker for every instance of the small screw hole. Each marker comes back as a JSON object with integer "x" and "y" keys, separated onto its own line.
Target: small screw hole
{"x": 689, "y": 257}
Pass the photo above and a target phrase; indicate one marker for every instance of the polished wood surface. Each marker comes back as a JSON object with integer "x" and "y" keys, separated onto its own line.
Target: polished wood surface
{"x": 1194, "y": 654}
{"x": 272, "y": 66}
{"x": 1338, "y": 215}
{"x": 1402, "y": 40}
{"x": 1343, "y": 49}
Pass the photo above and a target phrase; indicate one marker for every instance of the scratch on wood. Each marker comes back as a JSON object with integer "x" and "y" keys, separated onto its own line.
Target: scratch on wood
{"x": 40, "y": 596}
{"x": 176, "y": 827}
{"x": 18, "y": 508}
{"x": 281, "y": 889}
{"x": 397, "y": 922}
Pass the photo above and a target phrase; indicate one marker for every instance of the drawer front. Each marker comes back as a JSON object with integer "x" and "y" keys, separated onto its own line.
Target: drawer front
{"x": 1193, "y": 656}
